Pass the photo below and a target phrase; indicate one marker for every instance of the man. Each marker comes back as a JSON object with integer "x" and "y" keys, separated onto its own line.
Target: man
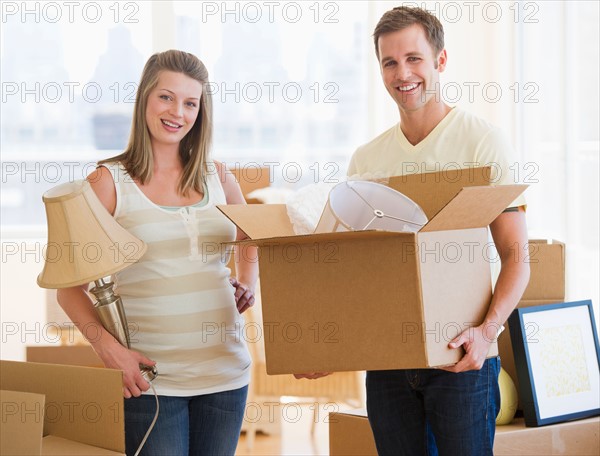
{"x": 450, "y": 410}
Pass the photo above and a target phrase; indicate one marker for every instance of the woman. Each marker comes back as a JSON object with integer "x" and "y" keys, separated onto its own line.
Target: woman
{"x": 179, "y": 299}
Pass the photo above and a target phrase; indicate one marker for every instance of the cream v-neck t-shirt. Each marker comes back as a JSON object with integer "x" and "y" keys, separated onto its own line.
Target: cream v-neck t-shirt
{"x": 461, "y": 140}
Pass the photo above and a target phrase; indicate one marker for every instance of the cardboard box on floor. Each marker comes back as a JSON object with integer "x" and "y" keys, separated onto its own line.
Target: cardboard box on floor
{"x": 50, "y": 409}
{"x": 350, "y": 434}
{"x": 22, "y": 423}
{"x": 374, "y": 300}
{"x": 546, "y": 286}
{"x": 572, "y": 438}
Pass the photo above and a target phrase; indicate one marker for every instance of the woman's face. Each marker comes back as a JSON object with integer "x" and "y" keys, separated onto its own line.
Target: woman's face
{"x": 172, "y": 107}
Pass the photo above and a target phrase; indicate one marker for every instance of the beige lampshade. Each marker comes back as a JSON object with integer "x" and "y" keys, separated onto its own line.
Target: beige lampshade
{"x": 85, "y": 243}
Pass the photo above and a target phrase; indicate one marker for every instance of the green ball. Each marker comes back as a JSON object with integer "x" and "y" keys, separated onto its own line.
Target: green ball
{"x": 508, "y": 399}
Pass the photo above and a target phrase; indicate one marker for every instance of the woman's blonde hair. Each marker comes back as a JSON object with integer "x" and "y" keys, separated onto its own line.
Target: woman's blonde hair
{"x": 194, "y": 147}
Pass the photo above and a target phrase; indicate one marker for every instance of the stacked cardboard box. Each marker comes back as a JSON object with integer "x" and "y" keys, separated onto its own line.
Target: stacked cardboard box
{"x": 350, "y": 434}
{"x": 546, "y": 285}
{"x": 50, "y": 409}
{"x": 251, "y": 178}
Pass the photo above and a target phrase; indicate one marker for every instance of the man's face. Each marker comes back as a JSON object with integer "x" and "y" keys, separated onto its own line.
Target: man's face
{"x": 410, "y": 70}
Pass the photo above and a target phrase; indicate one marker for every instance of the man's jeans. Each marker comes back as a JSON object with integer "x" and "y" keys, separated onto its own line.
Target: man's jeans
{"x": 426, "y": 411}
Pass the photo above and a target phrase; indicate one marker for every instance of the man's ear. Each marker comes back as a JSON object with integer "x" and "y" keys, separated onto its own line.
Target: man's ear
{"x": 441, "y": 60}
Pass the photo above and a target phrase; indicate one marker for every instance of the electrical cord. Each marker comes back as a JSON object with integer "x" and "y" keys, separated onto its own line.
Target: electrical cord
{"x": 151, "y": 424}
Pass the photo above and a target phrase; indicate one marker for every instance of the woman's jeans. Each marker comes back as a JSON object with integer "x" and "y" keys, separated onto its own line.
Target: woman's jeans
{"x": 198, "y": 425}
{"x": 426, "y": 411}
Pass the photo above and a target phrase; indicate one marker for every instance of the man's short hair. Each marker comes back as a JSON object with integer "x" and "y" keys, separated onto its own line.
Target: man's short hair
{"x": 403, "y": 16}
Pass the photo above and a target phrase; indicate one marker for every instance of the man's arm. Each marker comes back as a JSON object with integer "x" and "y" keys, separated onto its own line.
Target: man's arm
{"x": 509, "y": 231}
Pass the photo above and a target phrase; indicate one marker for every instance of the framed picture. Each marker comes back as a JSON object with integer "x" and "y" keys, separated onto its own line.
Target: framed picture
{"x": 557, "y": 357}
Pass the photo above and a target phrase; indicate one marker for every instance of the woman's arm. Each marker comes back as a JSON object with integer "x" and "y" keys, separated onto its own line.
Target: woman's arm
{"x": 246, "y": 256}
{"x": 78, "y": 305}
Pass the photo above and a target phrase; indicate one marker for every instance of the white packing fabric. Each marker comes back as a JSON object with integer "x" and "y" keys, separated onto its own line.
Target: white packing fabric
{"x": 361, "y": 202}
{"x": 305, "y": 206}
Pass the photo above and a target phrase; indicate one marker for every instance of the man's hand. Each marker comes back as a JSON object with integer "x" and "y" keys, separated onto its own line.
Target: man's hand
{"x": 476, "y": 342}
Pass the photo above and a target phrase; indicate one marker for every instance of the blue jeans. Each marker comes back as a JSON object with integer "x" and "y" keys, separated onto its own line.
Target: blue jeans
{"x": 198, "y": 425}
{"x": 423, "y": 411}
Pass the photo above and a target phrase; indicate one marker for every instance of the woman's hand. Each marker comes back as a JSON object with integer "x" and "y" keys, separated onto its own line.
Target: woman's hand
{"x": 128, "y": 361}
{"x": 77, "y": 304}
{"x": 244, "y": 295}
{"x": 312, "y": 375}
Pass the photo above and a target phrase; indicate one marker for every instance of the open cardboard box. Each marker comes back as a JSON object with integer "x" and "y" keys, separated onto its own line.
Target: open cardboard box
{"x": 50, "y": 409}
{"x": 372, "y": 300}
{"x": 350, "y": 434}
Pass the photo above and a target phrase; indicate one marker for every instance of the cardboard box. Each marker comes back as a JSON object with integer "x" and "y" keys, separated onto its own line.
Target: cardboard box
{"x": 77, "y": 410}
{"x": 350, "y": 434}
{"x": 22, "y": 423}
{"x": 372, "y": 300}
{"x": 572, "y": 438}
{"x": 546, "y": 286}
{"x": 73, "y": 355}
{"x": 57, "y": 446}
{"x": 251, "y": 178}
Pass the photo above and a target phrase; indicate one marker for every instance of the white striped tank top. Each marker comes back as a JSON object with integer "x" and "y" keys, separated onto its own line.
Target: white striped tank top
{"x": 178, "y": 300}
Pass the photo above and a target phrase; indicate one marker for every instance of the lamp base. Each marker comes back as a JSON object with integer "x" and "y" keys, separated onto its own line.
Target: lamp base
{"x": 148, "y": 372}
{"x": 109, "y": 308}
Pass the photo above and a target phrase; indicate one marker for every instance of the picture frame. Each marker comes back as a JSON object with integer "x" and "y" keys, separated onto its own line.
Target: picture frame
{"x": 557, "y": 357}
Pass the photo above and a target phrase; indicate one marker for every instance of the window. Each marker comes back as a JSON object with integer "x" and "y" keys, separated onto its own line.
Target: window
{"x": 297, "y": 83}
{"x": 559, "y": 56}
{"x": 288, "y": 80}
{"x": 69, "y": 76}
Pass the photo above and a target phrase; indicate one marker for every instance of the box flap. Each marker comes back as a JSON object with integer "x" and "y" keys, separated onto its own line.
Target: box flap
{"x": 74, "y": 355}
{"x": 259, "y": 221}
{"x": 474, "y": 207}
{"x": 313, "y": 238}
{"x": 22, "y": 423}
{"x": 432, "y": 191}
{"x": 57, "y": 446}
{"x": 84, "y": 404}
{"x": 362, "y": 412}
{"x": 326, "y": 237}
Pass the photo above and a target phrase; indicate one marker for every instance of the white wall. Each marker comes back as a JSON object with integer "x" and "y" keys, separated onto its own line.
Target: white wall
{"x": 23, "y": 309}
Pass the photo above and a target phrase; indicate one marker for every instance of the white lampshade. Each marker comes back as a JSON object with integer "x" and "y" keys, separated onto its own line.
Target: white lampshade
{"x": 85, "y": 243}
{"x": 364, "y": 205}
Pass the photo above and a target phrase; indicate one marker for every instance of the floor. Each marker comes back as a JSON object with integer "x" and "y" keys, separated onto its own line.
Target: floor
{"x": 291, "y": 433}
